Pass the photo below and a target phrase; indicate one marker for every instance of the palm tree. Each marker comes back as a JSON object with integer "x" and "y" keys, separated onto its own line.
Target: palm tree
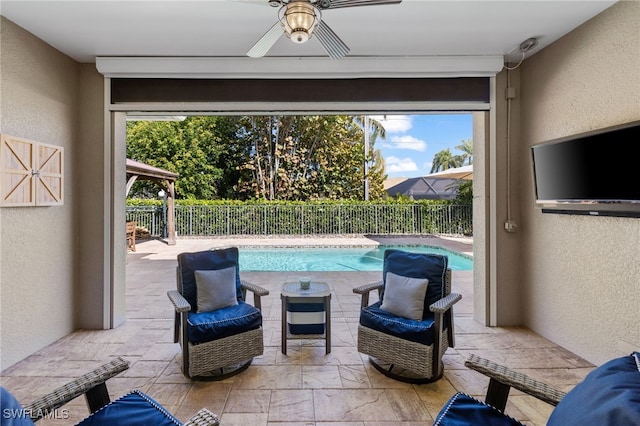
{"x": 372, "y": 130}
{"x": 444, "y": 160}
{"x": 467, "y": 151}
{"x": 376, "y": 129}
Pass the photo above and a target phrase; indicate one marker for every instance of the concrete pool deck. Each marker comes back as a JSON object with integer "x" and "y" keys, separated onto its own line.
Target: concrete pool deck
{"x": 158, "y": 249}
{"x": 306, "y": 387}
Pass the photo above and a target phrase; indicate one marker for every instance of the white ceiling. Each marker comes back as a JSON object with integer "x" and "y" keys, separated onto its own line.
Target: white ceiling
{"x": 229, "y": 28}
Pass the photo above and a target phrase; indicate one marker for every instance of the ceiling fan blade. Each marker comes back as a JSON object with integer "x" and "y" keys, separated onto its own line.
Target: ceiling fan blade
{"x": 335, "y": 47}
{"x": 267, "y": 41}
{"x": 335, "y": 4}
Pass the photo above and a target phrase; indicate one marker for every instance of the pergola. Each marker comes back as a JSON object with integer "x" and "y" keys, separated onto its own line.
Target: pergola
{"x": 141, "y": 171}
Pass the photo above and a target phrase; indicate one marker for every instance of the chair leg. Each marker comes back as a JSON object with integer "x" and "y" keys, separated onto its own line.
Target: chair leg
{"x": 184, "y": 342}
{"x": 97, "y": 397}
{"x": 497, "y": 394}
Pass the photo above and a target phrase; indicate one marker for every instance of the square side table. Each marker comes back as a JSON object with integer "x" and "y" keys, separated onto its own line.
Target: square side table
{"x": 306, "y": 314}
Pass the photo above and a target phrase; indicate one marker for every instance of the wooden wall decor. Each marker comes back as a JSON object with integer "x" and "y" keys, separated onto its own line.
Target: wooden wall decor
{"x": 31, "y": 173}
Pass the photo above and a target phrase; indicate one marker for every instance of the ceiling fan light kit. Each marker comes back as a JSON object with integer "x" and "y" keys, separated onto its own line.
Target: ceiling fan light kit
{"x": 299, "y": 18}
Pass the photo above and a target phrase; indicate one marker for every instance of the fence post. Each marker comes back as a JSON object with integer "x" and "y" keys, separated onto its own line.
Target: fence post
{"x": 264, "y": 220}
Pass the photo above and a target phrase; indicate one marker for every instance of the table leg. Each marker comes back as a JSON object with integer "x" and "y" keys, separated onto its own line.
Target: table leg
{"x": 284, "y": 323}
{"x": 327, "y": 301}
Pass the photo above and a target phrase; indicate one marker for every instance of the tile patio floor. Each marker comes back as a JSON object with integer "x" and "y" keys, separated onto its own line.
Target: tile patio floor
{"x": 305, "y": 387}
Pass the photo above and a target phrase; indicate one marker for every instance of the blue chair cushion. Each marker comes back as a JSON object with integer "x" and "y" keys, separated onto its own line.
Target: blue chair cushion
{"x": 135, "y": 408}
{"x": 208, "y": 326}
{"x": 609, "y": 395}
{"x": 188, "y": 263}
{"x": 464, "y": 410}
{"x": 378, "y": 319}
{"x": 419, "y": 265}
{"x": 12, "y": 413}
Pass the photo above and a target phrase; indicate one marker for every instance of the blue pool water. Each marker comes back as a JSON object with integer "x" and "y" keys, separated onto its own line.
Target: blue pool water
{"x": 334, "y": 258}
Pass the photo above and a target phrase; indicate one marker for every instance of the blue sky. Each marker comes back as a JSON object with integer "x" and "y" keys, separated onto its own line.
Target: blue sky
{"x": 413, "y": 140}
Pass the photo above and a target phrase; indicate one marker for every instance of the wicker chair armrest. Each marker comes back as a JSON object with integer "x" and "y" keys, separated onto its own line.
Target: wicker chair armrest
{"x": 202, "y": 418}
{"x": 444, "y": 304}
{"x": 178, "y": 300}
{"x": 367, "y": 288}
{"x": 511, "y": 378}
{"x": 60, "y": 396}
{"x": 255, "y": 289}
{"x": 364, "y": 291}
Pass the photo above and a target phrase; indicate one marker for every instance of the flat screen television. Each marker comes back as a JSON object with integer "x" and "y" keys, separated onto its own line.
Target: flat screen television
{"x": 596, "y": 173}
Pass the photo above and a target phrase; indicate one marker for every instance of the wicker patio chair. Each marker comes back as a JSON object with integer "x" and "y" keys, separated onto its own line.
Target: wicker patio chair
{"x": 399, "y": 346}
{"x": 93, "y": 386}
{"x": 218, "y": 331}
{"x": 608, "y": 396}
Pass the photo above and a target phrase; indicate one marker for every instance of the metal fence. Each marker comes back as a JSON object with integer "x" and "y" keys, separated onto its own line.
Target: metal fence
{"x": 386, "y": 219}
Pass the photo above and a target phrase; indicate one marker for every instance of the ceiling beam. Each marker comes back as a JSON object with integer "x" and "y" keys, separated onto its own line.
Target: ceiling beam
{"x": 300, "y": 67}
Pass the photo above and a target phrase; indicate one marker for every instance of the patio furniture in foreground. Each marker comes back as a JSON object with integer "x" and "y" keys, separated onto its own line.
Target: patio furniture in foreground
{"x": 131, "y": 235}
{"x": 409, "y": 329}
{"x": 608, "y": 396}
{"x": 306, "y": 313}
{"x": 219, "y": 332}
{"x": 135, "y": 408}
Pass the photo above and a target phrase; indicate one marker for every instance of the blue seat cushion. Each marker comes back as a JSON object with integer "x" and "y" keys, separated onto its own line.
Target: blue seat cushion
{"x": 12, "y": 413}
{"x": 208, "y": 326}
{"x": 419, "y": 265}
{"x": 464, "y": 410}
{"x": 134, "y": 408}
{"x": 609, "y": 395}
{"x": 378, "y": 319}
{"x": 188, "y": 263}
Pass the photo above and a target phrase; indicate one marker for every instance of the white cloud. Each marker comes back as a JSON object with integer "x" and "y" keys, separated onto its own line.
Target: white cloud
{"x": 394, "y": 123}
{"x": 400, "y": 165}
{"x": 408, "y": 142}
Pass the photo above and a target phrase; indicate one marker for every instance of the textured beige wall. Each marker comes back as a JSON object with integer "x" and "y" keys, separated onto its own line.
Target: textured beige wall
{"x": 582, "y": 274}
{"x": 91, "y": 255}
{"x": 481, "y": 125}
{"x": 505, "y": 256}
{"x": 38, "y": 102}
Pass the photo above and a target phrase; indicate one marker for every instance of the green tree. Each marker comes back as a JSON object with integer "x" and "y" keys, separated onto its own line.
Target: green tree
{"x": 302, "y": 158}
{"x": 268, "y": 157}
{"x": 190, "y": 148}
{"x": 373, "y": 161}
{"x": 465, "y": 192}
{"x": 444, "y": 160}
{"x": 466, "y": 146}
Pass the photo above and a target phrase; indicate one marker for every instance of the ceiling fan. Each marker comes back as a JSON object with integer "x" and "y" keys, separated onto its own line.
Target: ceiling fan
{"x": 302, "y": 19}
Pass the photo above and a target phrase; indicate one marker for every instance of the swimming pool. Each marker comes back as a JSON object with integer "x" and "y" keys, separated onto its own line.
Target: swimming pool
{"x": 334, "y": 258}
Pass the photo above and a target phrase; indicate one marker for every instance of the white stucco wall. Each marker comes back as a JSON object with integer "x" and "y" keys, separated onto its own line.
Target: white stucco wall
{"x": 581, "y": 274}
{"x": 38, "y": 102}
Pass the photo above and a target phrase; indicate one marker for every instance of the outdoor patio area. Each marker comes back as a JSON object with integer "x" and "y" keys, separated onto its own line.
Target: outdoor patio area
{"x": 304, "y": 387}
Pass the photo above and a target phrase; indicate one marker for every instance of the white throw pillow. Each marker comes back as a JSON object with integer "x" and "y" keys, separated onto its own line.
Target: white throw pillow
{"x": 404, "y": 296}
{"x": 216, "y": 289}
